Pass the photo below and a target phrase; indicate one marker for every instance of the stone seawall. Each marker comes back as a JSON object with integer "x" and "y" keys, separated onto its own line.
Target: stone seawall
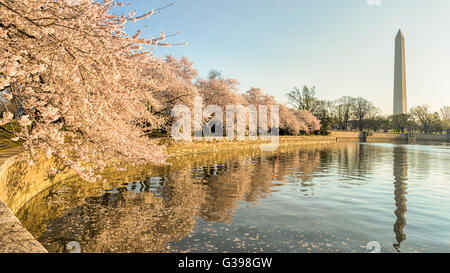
{"x": 404, "y": 137}
{"x": 14, "y": 238}
{"x": 391, "y": 136}
{"x": 387, "y": 136}
{"x": 345, "y": 134}
{"x": 425, "y": 137}
{"x": 204, "y": 146}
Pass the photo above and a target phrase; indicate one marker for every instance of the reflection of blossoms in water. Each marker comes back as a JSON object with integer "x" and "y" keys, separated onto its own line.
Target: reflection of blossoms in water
{"x": 304, "y": 165}
{"x": 59, "y": 197}
{"x": 145, "y": 216}
{"x": 121, "y": 220}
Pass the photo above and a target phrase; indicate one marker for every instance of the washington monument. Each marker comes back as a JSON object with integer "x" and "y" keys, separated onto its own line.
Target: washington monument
{"x": 400, "y": 106}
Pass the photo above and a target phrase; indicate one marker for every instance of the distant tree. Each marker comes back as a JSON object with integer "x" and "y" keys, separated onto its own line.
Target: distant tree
{"x": 399, "y": 122}
{"x": 217, "y": 90}
{"x": 291, "y": 122}
{"x": 220, "y": 91}
{"x": 342, "y": 111}
{"x": 309, "y": 122}
{"x": 377, "y": 123}
{"x": 412, "y": 125}
{"x": 424, "y": 117}
{"x": 183, "y": 67}
{"x": 386, "y": 126}
{"x": 362, "y": 110}
{"x": 173, "y": 85}
{"x": 445, "y": 115}
{"x": 215, "y": 75}
{"x": 304, "y": 99}
{"x": 437, "y": 125}
{"x": 323, "y": 111}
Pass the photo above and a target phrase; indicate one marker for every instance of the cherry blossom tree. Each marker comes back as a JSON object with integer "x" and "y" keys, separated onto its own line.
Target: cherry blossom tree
{"x": 78, "y": 78}
{"x": 89, "y": 94}
{"x": 174, "y": 85}
{"x": 222, "y": 92}
{"x": 217, "y": 90}
{"x": 183, "y": 67}
{"x": 309, "y": 122}
{"x": 445, "y": 115}
{"x": 291, "y": 122}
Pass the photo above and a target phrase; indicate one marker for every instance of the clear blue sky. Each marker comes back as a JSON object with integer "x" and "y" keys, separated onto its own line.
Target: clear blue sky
{"x": 343, "y": 47}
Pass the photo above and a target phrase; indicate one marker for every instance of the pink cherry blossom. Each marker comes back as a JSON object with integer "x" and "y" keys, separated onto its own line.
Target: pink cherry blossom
{"x": 7, "y": 96}
{"x": 7, "y": 117}
{"x": 80, "y": 80}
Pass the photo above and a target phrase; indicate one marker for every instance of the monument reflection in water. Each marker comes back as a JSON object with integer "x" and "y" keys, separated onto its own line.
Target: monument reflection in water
{"x": 326, "y": 198}
{"x": 400, "y": 187}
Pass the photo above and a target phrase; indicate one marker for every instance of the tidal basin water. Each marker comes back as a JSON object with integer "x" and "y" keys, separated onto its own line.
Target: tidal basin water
{"x": 323, "y": 198}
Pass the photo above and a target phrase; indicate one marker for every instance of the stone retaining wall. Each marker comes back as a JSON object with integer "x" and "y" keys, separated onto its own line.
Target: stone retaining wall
{"x": 391, "y": 136}
{"x": 14, "y": 238}
{"x": 428, "y": 137}
{"x": 345, "y": 134}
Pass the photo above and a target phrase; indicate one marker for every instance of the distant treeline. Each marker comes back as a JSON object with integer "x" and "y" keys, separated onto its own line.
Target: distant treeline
{"x": 348, "y": 113}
